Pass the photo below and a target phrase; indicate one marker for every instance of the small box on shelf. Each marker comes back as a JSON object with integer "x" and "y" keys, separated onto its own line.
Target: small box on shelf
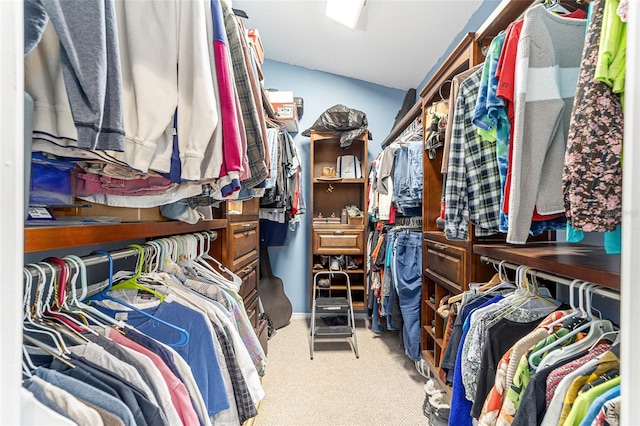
{"x": 356, "y": 220}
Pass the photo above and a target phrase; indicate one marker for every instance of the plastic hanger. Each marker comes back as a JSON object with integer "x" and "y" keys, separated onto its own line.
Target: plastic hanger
{"x": 30, "y": 311}
{"x": 567, "y": 337}
{"x": 132, "y": 283}
{"x": 202, "y": 260}
{"x": 598, "y": 329}
{"x": 56, "y": 300}
{"x": 574, "y": 309}
{"x": 104, "y": 294}
{"x": 74, "y": 305}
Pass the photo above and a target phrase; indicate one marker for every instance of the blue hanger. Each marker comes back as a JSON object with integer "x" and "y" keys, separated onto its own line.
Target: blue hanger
{"x": 104, "y": 294}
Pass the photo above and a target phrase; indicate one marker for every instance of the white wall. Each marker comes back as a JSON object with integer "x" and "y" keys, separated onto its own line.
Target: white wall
{"x": 11, "y": 213}
{"x": 630, "y": 270}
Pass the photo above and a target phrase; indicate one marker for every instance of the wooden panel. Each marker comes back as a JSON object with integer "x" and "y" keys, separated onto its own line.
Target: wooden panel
{"x": 573, "y": 261}
{"x": 249, "y": 275}
{"x": 446, "y": 261}
{"x": 338, "y": 241}
{"x": 252, "y": 311}
{"x": 243, "y": 244}
{"x": 58, "y": 237}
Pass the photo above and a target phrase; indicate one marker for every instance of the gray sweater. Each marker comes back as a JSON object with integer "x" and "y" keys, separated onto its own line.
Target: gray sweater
{"x": 548, "y": 64}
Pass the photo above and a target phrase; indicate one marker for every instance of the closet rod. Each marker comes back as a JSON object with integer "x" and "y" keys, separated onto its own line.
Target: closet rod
{"x": 97, "y": 259}
{"x": 551, "y": 277}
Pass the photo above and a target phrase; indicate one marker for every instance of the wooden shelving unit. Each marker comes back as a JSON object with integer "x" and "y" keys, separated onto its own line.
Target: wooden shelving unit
{"x": 330, "y": 197}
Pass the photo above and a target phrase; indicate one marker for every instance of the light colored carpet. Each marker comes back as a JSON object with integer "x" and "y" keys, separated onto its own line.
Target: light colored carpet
{"x": 382, "y": 387}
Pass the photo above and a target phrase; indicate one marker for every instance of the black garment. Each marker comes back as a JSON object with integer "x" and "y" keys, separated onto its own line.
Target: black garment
{"x": 500, "y": 337}
{"x": 340, "y": 120}
{"x": 533, "y": 404}
{"x": 396, "y": 315}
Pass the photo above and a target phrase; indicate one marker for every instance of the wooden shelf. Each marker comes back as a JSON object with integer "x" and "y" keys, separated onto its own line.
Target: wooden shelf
{"x": 431, "y": 305}
{"x": 43, "y": 238}
{"x": 339, "y": 181}
{"x": 573, "y": 261}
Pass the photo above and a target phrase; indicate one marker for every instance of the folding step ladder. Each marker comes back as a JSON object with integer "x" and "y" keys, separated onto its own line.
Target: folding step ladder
{"x": 332, "y": 306}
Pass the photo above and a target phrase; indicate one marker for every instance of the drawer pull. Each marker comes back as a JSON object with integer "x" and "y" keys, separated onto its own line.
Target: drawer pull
{"x": 440, "y": 246}
{"x": 246, "y": 225}
{"x": 246, "y": 271}
{"x": 338, "y": 232}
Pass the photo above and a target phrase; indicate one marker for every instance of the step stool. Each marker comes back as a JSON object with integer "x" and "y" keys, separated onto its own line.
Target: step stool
{"x": 332, "y": 306}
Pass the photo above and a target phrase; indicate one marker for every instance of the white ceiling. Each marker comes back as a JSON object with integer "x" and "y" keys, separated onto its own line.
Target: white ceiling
{"x": 396, "y": 43}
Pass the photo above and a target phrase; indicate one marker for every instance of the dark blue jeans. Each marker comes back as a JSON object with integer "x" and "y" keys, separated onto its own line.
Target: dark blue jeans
{"x": 408, "y": 261}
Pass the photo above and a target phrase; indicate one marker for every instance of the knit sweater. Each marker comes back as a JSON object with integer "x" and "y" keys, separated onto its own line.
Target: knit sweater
{"x": 548, "y": 64}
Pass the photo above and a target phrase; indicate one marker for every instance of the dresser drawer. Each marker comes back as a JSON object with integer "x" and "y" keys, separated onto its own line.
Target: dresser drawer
{"x": 249, "y": 275}
{"x": 338, "y": 241}
{"x": 243, "y": 244}
{"x": 446, "y": 262}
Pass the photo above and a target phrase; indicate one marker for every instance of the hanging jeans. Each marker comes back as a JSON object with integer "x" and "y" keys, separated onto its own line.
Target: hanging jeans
{"x": 408, "y": 178}
{"x": 408, "y": 262}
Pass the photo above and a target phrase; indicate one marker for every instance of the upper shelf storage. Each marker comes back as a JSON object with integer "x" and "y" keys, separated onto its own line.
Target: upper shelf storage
{"x": 43, "y": 238}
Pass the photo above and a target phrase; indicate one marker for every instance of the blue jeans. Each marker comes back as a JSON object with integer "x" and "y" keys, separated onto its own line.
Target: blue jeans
{"x": 408, "y": 262}
{"x": 407, "y": 178}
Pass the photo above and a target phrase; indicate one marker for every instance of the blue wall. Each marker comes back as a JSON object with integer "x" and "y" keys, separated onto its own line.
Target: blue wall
{"x": 320, "y": 91}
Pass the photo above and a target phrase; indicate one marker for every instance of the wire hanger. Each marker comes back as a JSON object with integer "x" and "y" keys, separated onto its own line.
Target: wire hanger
{"x": 104, "y": 294}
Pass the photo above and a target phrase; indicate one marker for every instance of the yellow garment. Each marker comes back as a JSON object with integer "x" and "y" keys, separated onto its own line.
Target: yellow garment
{"x": 608, "y": 362}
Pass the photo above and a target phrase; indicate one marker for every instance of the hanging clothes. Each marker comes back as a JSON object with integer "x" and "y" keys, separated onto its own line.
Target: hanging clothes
{"x": 542, "y": 98}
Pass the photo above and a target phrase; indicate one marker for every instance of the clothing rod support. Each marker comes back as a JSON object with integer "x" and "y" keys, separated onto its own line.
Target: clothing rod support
{"x": 611, "y": 294}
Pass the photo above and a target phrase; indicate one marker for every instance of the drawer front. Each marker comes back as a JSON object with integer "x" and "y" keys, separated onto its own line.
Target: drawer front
{"x": 249, "y": 275}
{"x": 338, "y": 241}
{"x": 252, "y": 312}
{"x": 243, "y": 244}
{"x": 446, "y": 261}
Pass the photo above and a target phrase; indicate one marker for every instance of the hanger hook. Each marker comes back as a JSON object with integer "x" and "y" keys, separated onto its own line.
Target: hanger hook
{"x": 108, "y": 255}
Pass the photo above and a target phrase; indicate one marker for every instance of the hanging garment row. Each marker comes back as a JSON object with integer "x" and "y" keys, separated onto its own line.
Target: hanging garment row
{"x": 396, "y": 181}
{"x": 150, "y": 101}
{"x": 395, "y": 281}
{"x": 283, "y": 202}
{"x": 516, "y": 355}
{"x": 527, "y": 122}
{"x": 168, "y": 342}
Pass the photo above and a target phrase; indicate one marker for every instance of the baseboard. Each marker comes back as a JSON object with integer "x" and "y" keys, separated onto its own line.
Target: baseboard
{"x": 307, "y": 315}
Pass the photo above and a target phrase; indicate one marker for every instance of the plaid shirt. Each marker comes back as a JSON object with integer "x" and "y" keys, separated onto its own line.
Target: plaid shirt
{"x": 255, "y": 144}
{"x": 472, "y": 189}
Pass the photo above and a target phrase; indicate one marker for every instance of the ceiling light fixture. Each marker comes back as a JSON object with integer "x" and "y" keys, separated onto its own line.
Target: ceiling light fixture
{"x": 345, "y": 12}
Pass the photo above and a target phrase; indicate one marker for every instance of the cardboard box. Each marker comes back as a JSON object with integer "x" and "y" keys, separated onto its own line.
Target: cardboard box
{"x": 285, "y": 108}
{"x": 125, "y": 214}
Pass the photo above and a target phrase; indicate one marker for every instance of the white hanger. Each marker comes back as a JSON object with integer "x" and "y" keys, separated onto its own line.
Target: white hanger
{"x": 567, "y": 336}
{"x": 37, "y": 327}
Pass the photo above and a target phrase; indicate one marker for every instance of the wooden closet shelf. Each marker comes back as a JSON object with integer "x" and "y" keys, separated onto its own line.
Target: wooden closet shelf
{"x": 573, "y": 261}
{"x": 56, "y": 237}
